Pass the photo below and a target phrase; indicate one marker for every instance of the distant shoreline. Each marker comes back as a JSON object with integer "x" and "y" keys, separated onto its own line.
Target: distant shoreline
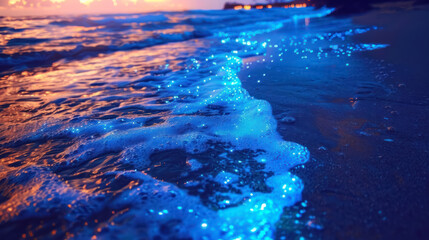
{"x": 342, "y": 7}
{"x": 259, "y": 6}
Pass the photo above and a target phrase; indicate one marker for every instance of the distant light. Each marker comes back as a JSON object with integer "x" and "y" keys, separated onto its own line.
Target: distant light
{"x": 238, "y": 7}
{"x": 204, "y": 225}
{"x": 86, "y": 2}
{"x": 247, "y": 7}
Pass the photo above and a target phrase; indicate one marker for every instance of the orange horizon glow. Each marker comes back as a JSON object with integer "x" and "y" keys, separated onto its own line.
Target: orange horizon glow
{"x": 59, "y": 7}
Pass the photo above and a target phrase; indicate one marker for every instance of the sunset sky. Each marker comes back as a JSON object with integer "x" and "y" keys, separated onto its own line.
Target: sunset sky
{"x": 43, "y": 7}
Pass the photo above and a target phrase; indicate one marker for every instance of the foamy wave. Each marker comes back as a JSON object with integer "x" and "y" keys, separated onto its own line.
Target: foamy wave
{"x": 119, "y": 140}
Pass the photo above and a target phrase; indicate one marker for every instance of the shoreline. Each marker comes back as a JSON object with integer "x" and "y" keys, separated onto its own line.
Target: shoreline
{"x": 368, "y": 138}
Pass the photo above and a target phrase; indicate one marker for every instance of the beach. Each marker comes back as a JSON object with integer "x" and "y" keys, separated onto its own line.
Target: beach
{"x": 366, "y": 127}
{"x": 210, "y": 124}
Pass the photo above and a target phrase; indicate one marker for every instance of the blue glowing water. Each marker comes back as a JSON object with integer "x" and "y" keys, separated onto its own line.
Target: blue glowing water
{"x": 125, "y": 126}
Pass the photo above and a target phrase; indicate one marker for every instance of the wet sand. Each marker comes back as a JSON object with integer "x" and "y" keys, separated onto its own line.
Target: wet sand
{"x": 367, "y": 128}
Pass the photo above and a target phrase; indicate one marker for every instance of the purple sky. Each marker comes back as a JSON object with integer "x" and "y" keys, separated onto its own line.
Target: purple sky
{"x": 41, "y": 7}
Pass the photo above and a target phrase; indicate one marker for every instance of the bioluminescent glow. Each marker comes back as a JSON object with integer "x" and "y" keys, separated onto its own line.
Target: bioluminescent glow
{"x": 138, "y": 124}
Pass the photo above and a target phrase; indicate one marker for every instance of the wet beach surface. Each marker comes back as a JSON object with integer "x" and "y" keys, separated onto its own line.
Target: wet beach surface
{"x": 197, "y": 125}
{"x": 365, "y": 120}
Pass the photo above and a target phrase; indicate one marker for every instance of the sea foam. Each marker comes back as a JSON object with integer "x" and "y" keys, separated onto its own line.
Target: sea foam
{"x": 116, "y": 144}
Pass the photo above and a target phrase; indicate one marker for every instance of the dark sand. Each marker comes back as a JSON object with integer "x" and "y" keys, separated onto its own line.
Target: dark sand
{"x": 367, "y": 131}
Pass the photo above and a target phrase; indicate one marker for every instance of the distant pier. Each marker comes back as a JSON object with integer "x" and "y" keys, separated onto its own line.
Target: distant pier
{"x": 294, "y": 4}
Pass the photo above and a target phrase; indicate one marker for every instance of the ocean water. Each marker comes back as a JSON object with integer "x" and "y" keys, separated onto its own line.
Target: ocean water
{"x": 136, "y": 126}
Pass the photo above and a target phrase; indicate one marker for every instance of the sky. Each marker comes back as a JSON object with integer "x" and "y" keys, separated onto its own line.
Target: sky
{"x": 50, "y": 7}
